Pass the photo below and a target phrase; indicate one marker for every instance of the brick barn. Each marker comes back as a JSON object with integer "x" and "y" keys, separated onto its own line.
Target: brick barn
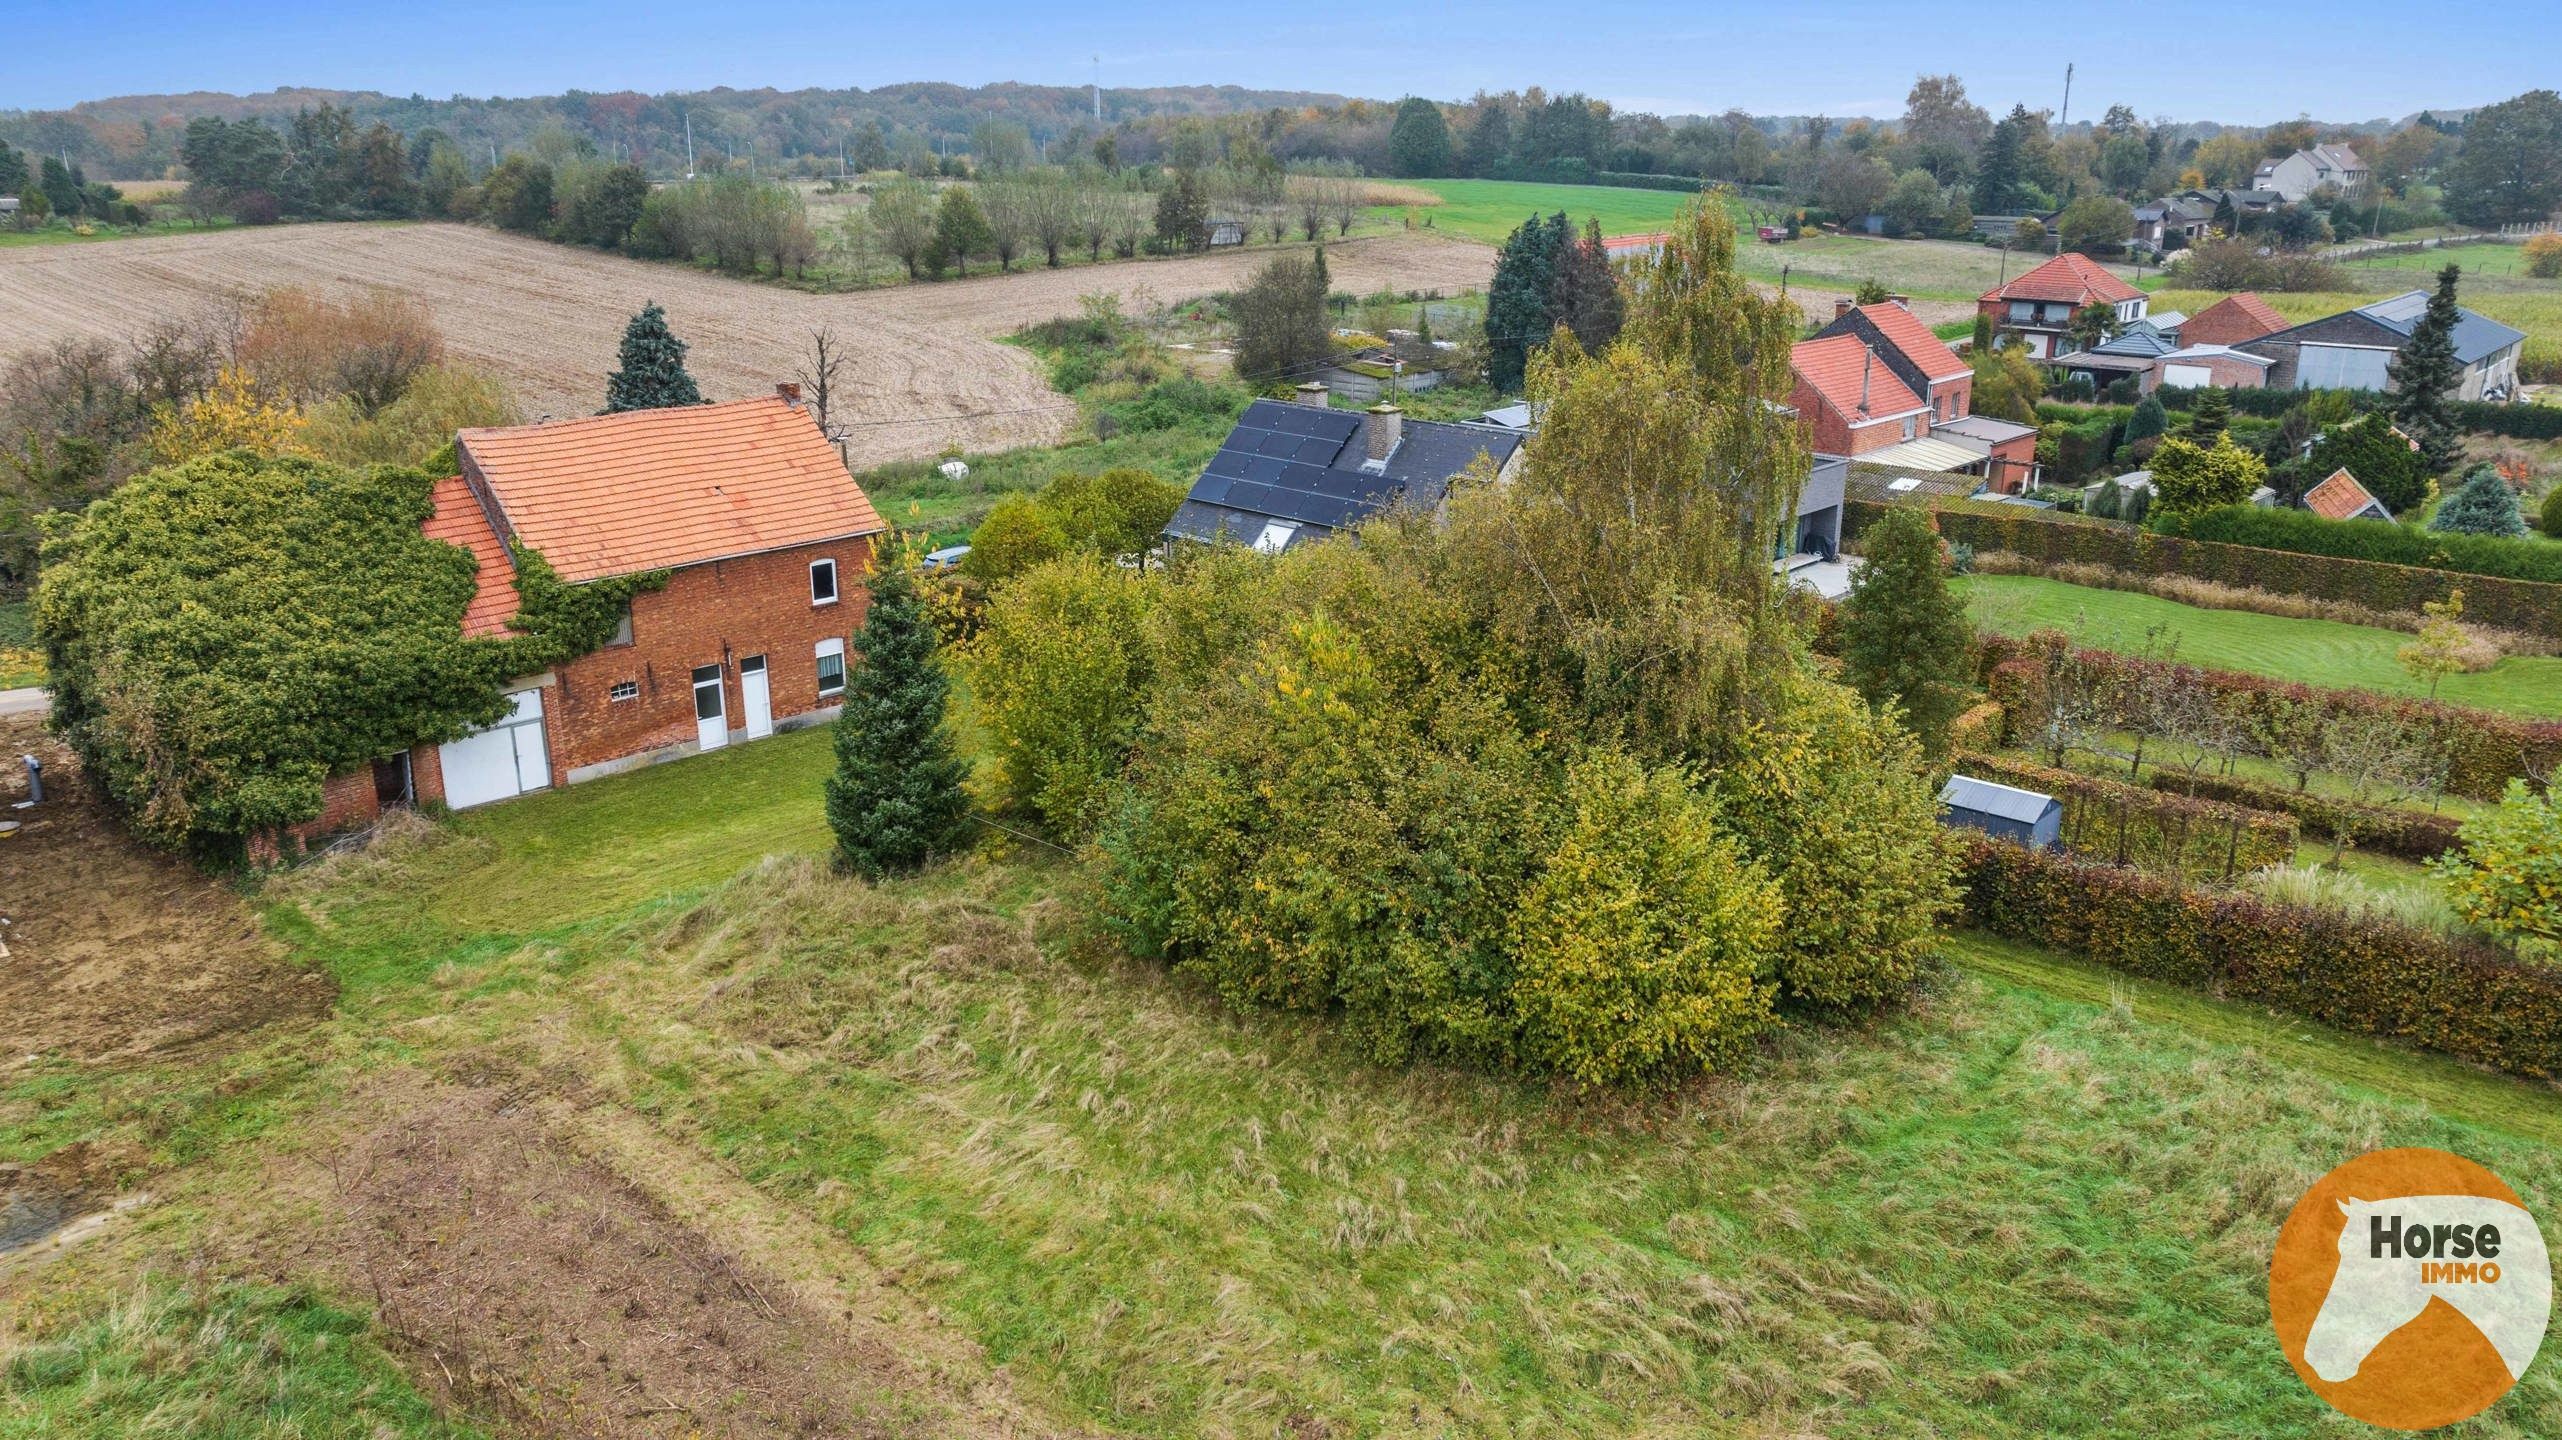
{"x": 767, "y": 539}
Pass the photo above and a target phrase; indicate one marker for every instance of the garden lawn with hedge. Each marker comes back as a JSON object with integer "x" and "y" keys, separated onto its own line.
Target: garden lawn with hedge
{"x": 2315, "y": 652}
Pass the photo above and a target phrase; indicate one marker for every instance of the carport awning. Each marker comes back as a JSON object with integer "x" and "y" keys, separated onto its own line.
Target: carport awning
{"x": 1924, "y": 454}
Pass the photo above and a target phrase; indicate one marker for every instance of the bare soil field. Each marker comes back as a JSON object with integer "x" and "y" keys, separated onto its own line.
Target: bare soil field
{"x": 532, "y": 1281}
{"x": 117, "y": 953}
{"x": 926, "y": 369}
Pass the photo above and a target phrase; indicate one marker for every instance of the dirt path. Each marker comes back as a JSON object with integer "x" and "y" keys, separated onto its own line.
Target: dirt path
{"x": 577, "y": 1276}
{"x": 546, "y": 317}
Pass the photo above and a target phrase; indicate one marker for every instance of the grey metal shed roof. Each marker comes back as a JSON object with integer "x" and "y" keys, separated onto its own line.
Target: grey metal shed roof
{"x": 2477, "y": 337}
{"x": 1965, "y": 792}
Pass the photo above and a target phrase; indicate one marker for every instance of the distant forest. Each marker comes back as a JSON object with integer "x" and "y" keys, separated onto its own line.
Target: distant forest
{"x": 138, "y": 137}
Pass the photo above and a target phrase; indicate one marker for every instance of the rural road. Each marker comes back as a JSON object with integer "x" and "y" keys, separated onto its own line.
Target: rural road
{"x": 30, "y": 701}
{"x": 927, "y": 368}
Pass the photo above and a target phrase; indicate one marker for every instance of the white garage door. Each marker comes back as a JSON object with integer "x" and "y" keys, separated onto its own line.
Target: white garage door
{"x": 2187, "y": 377}
{"x": 508, "y": 758}
{"x": 2341, "y": 367}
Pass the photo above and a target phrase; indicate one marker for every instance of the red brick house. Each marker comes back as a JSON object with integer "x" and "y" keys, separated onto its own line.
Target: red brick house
{"x": 1875, "y": 385}
{"x": 1853, "y": 403}
{"x": 2232, "y": 320}
{"x": 767, "y": 539}
{"x": 2038, "y": 306}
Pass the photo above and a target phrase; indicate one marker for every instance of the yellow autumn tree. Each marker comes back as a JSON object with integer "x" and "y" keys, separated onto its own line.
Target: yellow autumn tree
{"x": 234, "y": 414}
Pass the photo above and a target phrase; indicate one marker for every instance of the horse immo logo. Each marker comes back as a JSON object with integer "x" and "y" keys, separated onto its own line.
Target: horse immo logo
{"x": 2410, "y": 1288}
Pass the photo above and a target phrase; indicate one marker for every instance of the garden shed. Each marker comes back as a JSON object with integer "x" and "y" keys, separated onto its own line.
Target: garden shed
{"x": 2033, "y": 820}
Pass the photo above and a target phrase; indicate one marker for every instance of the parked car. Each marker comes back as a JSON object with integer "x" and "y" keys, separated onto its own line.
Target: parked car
{"x": 944, "y": 559}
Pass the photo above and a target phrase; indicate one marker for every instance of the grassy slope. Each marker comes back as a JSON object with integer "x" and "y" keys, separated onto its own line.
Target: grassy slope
{"x": 2318, "y": 652}
{"x": 64, "y": 235}
{"x": 2022, "y": 1206}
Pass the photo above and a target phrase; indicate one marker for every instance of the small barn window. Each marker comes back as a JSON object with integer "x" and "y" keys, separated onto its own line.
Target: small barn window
{"x": 625, "y": 690}
{"x": 831, "y": 668}
{"x": 822, "y": 582}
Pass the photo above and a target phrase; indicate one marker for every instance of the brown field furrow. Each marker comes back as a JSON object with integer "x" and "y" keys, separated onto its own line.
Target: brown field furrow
{"x": 546, "y": 317}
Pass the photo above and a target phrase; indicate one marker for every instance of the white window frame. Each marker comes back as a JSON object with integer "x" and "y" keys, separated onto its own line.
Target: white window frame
{"x": 835, "y": 583}
{"x": 622, "y": 690}
{"x": 827, "y": 648}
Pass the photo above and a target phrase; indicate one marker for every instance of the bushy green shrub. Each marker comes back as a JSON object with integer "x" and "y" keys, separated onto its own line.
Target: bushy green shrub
{"x": 1058, "y": 669}
{"x": 2153, "y": 829}
{"x": 1641, "y": 948}
{"x": 2353, "y": 971}
{"x": 1018, "y": 534}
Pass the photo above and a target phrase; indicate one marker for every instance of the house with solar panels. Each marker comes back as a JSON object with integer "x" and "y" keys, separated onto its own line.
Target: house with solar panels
{"x": 1294, "y": 472}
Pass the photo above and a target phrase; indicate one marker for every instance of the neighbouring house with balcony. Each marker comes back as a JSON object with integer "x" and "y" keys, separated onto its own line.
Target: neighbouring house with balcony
{"x": 2038, "y": 307}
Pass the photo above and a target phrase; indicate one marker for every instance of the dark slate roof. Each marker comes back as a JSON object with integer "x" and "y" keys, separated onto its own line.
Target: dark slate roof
{"x": 1303, "y": 465}
{"x": 2142, "y": 340}
{"x": 1965, "y": 792}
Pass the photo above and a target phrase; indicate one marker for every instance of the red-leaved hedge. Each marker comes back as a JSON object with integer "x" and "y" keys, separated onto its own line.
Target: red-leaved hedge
{"x": 2386, "y": 829}
{"x": 2531, "y": 606}
{"x": 2485, "y": 748}
{"x": 2355, "y": 972}
{"x": 2203, "y": 839}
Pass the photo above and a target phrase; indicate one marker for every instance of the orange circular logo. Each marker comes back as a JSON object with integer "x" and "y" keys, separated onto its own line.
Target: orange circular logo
{"x": 2410, "y": 1288}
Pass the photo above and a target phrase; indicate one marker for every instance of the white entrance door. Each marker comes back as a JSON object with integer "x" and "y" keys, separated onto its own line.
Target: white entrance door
{"x": 508, "y": 758}
{"x": 755, "y": 698}
{"x": 711, "y": 711}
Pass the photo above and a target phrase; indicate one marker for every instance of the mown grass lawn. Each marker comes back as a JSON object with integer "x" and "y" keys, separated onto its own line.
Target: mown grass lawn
{"x": 2317, "y": 652}
{"x": 20, "y": 662}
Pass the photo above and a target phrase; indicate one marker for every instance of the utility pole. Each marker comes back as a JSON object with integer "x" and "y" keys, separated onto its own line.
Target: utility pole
{"x": 689, "y": 144}
{"x": 1098, "y": 92}
{"x": 2066, "y": 118}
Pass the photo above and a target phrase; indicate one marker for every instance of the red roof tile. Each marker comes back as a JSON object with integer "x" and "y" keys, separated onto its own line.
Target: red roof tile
{"x": 1906, "y": 333}
{"x": 459, "y": 520}
{"x": 2072, "y": 277}
{"x": 657, "y": 489}
{"x": 2232, "y": 320}
{"x": 2338, "y": 497}
{"x": 1837, "y": 367}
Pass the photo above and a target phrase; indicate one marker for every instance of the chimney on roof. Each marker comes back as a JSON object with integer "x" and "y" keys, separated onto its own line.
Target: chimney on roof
{"x": 1312, "y": 392}
{"x": 1867, "y": 362}
{"x": 1385, "y": 428}
{"x": 1906, "y": 301}
{"x": 790, "y": 392}
{"x": 1842, "y": 306}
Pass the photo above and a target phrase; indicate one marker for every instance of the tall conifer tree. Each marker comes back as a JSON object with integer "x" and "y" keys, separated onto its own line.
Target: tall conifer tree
{"x": 896, "y": 800}
{"x": 653, "y": 374}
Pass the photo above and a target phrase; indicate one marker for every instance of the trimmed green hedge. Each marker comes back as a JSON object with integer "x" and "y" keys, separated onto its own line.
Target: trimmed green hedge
{"x": 2520, "y": 422}
{"x": 2526, "y": 605}
{"x": 2202, "y": 839}
{"x": 2386, "y": 829}
{"x": 2305, "y": 533}
{"x": 2485, "y": 749}
{"x": 2356, "y": 972}
{"x": 2269, "y": 403}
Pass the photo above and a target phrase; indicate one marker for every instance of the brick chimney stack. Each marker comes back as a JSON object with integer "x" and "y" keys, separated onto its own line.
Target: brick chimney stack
{"x": 1385, "y": 428}
{"x": 790, "y": 392}
{"x": 1312, "y": 392}
{"x": 1843, "y": 306}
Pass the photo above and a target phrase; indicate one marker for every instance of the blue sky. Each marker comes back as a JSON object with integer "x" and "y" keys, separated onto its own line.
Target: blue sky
{"x": 2237, "y": 62}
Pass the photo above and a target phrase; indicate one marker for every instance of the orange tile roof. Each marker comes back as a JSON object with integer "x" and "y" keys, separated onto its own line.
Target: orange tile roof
{"x": 2338, "y": 497}
{"x": 1906, "y": 333}
{"x": 2071, "y": 276}
{"x": 2232, "y": 320}
{"x": 459, "y": 520}
{"x": 658, "y": 489}
{"x": 1835, "y": 366}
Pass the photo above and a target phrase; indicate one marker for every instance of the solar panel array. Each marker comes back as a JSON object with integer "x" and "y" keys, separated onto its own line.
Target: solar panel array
{"x": 1279, "y": 461}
